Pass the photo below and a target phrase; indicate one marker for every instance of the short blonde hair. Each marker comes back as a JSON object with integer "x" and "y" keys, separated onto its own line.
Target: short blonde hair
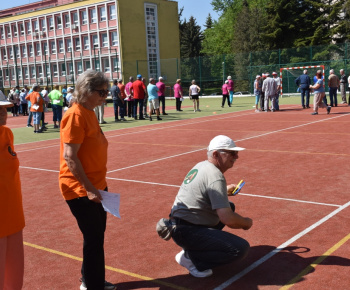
{"x": 86, "y": 83}
{"x": 178, "y": 81}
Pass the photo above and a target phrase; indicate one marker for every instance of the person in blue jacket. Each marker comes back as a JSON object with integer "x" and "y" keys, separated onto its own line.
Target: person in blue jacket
{"x": 304, "y": 82}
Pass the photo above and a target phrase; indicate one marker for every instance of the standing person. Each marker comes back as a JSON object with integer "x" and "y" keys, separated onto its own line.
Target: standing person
{"x": 37, "y": 107}
{"x": 99, "y": 113}
{"x": 64, "y": 94}
{"x": 13, "y": 97}
{"x": 349, "y": 89}
{"x": 343, "y": 83}
{"x": 83, "y": 168}
{"x": 56, "y": 98}
{"x": 129, "y": 98}
{"x": 225, "y": 94}
{"x": 231, "y": 86}
{"x": 24, "y": 103}
{"x": 121, "y": 87}
{"x": 262, "y": 95}
{"x": 178, "y": 94}
{"x": 304, "y": 82}
{"x": 161, "y": 94}
{"x": 257, "y": 92}
{"x": 193, "y": 92}
{"x": 145, "y": 101}
{"x": 69, "y": 97}
{"x": 319, "y": 93}
{"x": 153, "y": 100}
{"x": 11, "y": 209}
{"x": 333, "y": 84}
{"x": 138, "y": 90}
{"x": 269, "y": 87}
{"x": 202, "y": 209}
{"x": 278, "y": 91}
{"x": 115, "y": 92}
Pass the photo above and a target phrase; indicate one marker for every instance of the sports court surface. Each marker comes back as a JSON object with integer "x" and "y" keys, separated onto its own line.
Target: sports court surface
{"x": 296, "y": 169}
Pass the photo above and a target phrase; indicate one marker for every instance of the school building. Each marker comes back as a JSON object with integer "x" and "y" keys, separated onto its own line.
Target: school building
{"x": 54, "y": 41}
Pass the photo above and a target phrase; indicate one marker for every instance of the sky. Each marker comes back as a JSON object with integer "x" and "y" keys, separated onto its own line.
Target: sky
{"x": 196, "y": 8}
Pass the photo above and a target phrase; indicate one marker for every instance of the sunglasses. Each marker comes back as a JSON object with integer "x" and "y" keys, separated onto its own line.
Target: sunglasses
{"x": 102, "y": 93}
{"x": 233, "y": 153}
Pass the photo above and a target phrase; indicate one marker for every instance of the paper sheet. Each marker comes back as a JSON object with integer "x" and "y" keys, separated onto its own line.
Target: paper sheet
{"x": 111, "y": 202}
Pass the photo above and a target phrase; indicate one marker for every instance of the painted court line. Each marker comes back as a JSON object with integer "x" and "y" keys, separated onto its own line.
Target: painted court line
{"x": 178, "y": 186}
{"x": 173, "y": 286}
{"x": 314, "y": 264}
{"x": 280, "y": 248}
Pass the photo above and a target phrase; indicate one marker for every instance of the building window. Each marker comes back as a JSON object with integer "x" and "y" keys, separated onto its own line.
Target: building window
{"x": 2, "y": 33}
{"x": 106, "y": 67}
{"x": 21, "y": 28}
{"x": 14, "y": 28}
{"x": 32, "y": 72}
{"x": 63, "y": 69}
{"x": 112, "y": 14}
{"x": 77, "y": 43}
{"x": 87, "y": 64}
{"x": 6, "y": 71}
{"x": 38, "y": 49}
{"x": 36, "y": 25}
{"x": 45, "y": 50}
{"x": 43, "y": 24}
{"x": 79, "y": 67}
{"x": 70, "y": 68}
{"x": 94, "y": 41}
{"x": 29, "y": 28}
{"x": 86, "y": 43}
{"x": 4, "y": 54}
{"x": 93, "y": 16}
{"x": 30, "y": 50}
{"x": 8, "y": 29}
{"x": 26, "y": 75}
{"x": 51, "y": 25}
{"x": 68, "y": 44}
{"x": 19, "y": 73}
{"x": 40, "y": 71}
{"x": 66, "y": 20}
{"x": 53, "y": 46}
{"x": 60, "y": 46}
{"x": 24, "y": 51}
{"x": 97, "y": 64}
{"x": 103, "y": 14}
{"x": 59, "y": 22}
{"x": 104, "y": 40}
{"x": 48, "y": 70}
{"x": 17, "y": 52}
{"x": 13, "y": 75}
{"x": 116, "y": 65}
{"x": 83, "y": 17}
{"x": 11, "y": 52}
{"x": 114, "y": 37}
{"x": 75, "y": 18}
{"x": 54, "y": 70}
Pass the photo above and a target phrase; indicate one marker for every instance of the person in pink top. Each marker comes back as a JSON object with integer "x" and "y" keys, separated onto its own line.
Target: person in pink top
{"x": 225, "y": 94}
{"x": 178, "y": 94}
{"x": 129, "y": 98}
{"x": 161, "y": 94}
{"x": 231, "y": 86}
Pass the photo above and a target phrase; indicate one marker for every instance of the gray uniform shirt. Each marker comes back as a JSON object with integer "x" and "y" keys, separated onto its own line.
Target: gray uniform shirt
{"x": 202, "y": 192}
{"x": 269, "y": 87}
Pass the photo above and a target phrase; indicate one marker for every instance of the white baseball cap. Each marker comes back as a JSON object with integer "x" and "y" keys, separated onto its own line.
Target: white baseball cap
{"x": 223, "y": 142}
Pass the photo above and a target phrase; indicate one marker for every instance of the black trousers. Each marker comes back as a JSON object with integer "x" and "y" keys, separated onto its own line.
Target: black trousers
{"x": 162, "y": 100}
{"x": 91, "y": 219}
{"x": 178, "y": 104}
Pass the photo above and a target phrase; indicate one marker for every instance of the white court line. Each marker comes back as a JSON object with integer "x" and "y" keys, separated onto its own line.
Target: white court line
{"x": 280, "y": 248}
{"x": 177, "y": 186}
{"x": 36, "y": 148}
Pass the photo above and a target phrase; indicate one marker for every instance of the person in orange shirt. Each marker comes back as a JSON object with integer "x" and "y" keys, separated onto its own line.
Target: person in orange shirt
{"x": 83, "y": 168}
{"x": 37, "y": 107}
{"x": 138, "y": 90}
{"x": 11, "y": 209}
{"x": 121, "y": 87}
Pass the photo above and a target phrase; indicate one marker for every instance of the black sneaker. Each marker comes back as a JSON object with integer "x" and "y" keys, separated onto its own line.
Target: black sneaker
{"x": 314, "y": 113}
{"x": 329, "y": 109}
{"x": 164, "y": 114}
{"x": 29, "y": 126}
{"x": 159, "y": 118}
{"x": 150, "y": 118}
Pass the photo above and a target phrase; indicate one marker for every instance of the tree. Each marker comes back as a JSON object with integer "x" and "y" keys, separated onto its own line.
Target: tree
{"x": 191, "y": 39}
{"x": 208, "y": 22}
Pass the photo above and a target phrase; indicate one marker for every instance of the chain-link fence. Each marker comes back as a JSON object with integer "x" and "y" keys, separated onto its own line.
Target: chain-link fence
{"x": 211, "y": 71}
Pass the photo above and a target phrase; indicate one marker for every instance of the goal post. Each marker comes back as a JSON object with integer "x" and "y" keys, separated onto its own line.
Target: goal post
{"x": 289, "y": 69}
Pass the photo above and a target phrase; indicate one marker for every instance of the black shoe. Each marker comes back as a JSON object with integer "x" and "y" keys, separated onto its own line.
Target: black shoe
{"x": 116, "y": 120}
{"x": 104, "y": 122}
{"x": 29, "y": 125}
{"x": 159, "y": 118}
{"x": 307, "y": 107}
{"x": 150, "y": 118}
{"x": 329, "y": 109}
{"x": 142, "y": 118}
{"x": 314, "y": 113}
{"x": 180, "y": 110}
{"x": 304, "y": 107}
{"x": 164, "y": 114}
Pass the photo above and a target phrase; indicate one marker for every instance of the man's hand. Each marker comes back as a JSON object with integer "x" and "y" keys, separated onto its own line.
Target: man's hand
{"x": 94, "y": 196}
{"x": 231, "y": 188}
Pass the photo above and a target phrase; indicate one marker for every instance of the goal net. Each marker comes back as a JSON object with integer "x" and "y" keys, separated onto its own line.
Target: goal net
{"x": 289, "y": 74}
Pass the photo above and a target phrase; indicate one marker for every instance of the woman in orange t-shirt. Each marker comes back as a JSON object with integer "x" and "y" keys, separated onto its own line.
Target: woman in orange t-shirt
{"x": 83, "y": 169}
{"x": 37, "y": 107}
{"x": 11, "y": 209}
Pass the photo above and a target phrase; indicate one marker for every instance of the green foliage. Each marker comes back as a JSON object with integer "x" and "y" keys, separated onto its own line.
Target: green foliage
{"x": 191, "y": 38}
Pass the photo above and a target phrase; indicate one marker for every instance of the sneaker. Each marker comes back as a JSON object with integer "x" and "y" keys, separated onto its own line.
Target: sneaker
{"x": 55, "y": 126}
{"x": 29, "y": 126}
{"x": 314, "y": 113}
{"x": 199, "y": 110}
{"x": 164, "y": 114}
{"x": 187, "y": 263}
{"x": 329, "y": 109}
{"x": 159, "y": 118}
{"x": 116, "y": 120}
{"x": 257, "y": 111}
{"x": 194, "y": 110}
{"x": 150, "y": 118}
{"x": 123, "y": 119}
{"x": 108, "y": 286}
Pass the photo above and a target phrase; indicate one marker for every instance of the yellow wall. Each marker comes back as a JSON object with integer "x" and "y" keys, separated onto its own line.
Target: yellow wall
{"x": 132, "y": 31}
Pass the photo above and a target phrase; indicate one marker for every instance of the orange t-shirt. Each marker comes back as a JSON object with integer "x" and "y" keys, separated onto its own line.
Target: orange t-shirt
{"x": 36, "y": 99}
{"x": 80, "y": 126}
{"x": 138, "y": 89}
{"x": 11, "y": 208}
{"x": 122, "y": 90}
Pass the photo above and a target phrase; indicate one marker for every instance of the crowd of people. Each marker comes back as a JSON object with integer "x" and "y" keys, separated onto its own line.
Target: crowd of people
{"x": 267, "y": 91}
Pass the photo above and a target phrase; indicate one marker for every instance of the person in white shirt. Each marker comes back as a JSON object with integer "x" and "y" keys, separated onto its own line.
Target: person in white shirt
{"x": 193, "y": 93}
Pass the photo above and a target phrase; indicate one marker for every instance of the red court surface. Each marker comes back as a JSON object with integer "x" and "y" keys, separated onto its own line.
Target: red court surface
{"x": 296, "y": 169}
